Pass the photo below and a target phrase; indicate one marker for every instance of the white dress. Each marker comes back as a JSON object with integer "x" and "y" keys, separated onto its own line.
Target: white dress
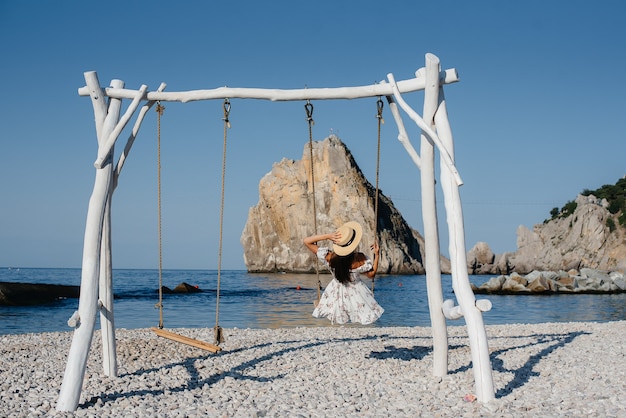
{"x": 352, "y": 301}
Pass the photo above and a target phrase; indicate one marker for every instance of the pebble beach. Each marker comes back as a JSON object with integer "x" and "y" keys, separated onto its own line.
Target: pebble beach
{"x": 540, "y": 370}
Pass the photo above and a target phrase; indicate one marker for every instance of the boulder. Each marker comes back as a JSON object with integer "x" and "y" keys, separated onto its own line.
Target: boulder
{"x": 181, "y": 288}
{"x": 22, "y": 294}
{"x": 599, "y": 276}
{"x": 618, "y": 280}
{"x": 186, "y": 288}
{"x": 541, "y": 284}
{"x": 494, "y": 285}
{"x": 481, "y": 253}
{"x": 565, "y": 284}
{"x": 512, "y": 285}
{"x": 479, "y": 256}
{"x": 503, "y": 264}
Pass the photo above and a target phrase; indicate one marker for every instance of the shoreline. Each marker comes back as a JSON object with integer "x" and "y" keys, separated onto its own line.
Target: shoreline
{"x": 549, "y": 369}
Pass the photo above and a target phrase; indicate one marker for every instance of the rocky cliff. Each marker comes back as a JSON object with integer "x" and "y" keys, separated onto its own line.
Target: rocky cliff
{"x": 272, "y": 236}
{"x": 588, "y": 237}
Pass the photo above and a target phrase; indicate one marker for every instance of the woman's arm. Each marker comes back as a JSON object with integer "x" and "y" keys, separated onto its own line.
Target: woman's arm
{"x": 311, "y": 242}
{"x": 372, "y": 273}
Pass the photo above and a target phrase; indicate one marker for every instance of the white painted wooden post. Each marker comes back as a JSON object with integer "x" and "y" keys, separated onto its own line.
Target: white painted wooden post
{"x": 106, "y": 120}
{"x": 429, "y": 215}
{"x": 107, "y": 319}
{"x": 451, "y": 181}
{"x": 481, "y": 364}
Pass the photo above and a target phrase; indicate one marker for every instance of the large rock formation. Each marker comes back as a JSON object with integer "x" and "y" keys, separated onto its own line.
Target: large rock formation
{"x": 589, "y": 237}
{"x": 582, "y": 239}
{"x": 272, "y": 236}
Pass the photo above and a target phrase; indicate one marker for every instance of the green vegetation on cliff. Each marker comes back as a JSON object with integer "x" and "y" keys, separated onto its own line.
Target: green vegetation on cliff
{"x": 564, "y": 212}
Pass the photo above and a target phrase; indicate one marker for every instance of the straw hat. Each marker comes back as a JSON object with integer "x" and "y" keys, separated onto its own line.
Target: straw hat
{"x": 351, "y": 233}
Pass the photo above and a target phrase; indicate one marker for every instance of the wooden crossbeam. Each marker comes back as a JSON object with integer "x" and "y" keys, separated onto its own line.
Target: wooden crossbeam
{"x": 186, "y": 340}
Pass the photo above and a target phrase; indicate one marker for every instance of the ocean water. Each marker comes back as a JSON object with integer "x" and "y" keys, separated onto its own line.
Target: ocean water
{"x": 277, "y": 300}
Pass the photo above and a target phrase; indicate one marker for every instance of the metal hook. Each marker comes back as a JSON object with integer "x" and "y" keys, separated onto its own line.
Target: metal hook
{"x": 159, "y": 109}
{"x": 308, "y": 107}
{"x": 226, "y": 112}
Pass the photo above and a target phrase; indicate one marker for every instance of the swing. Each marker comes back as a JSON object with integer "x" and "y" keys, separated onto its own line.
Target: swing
{"x": 218, "y": 330}
{"x": 109, "y": 122}
{"x": 308, "y": 107}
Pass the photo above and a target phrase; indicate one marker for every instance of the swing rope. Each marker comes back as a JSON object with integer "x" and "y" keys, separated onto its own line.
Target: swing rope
{"x": 379, "y": 116}
{"x": 308, "y": 107}
{"x": 159, "y": 110}
{"x": 160, "y": 331}
{"x": 219, "y": 336}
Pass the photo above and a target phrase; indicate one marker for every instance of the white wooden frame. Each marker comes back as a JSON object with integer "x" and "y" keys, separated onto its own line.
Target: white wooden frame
{"x": 96, "y": 290}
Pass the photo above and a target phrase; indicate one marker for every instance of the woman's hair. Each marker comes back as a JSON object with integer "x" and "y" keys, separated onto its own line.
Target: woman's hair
{"x": 341, "y": 267}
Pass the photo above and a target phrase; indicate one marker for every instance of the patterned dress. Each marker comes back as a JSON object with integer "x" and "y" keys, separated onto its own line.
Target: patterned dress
{"x": 350, "y": 302}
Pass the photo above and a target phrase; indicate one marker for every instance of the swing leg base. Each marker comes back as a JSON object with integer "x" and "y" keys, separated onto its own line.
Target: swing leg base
{"x": 186, "y": 340}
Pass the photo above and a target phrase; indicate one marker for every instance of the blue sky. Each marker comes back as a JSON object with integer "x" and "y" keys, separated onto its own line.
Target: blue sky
{"x": 537, "y": 115}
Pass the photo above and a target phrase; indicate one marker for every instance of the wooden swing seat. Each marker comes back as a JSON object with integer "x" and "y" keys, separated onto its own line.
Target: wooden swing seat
{"x": 186, "y": 340}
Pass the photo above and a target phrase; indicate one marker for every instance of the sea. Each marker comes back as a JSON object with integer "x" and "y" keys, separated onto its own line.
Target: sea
{"x": 254, "y": 300}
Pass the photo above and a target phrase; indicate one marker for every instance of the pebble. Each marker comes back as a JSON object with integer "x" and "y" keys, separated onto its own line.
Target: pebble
{"x": 565, "y": 369}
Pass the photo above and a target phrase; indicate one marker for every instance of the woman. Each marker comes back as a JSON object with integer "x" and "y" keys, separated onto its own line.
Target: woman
{"x": 346, "y": 298}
